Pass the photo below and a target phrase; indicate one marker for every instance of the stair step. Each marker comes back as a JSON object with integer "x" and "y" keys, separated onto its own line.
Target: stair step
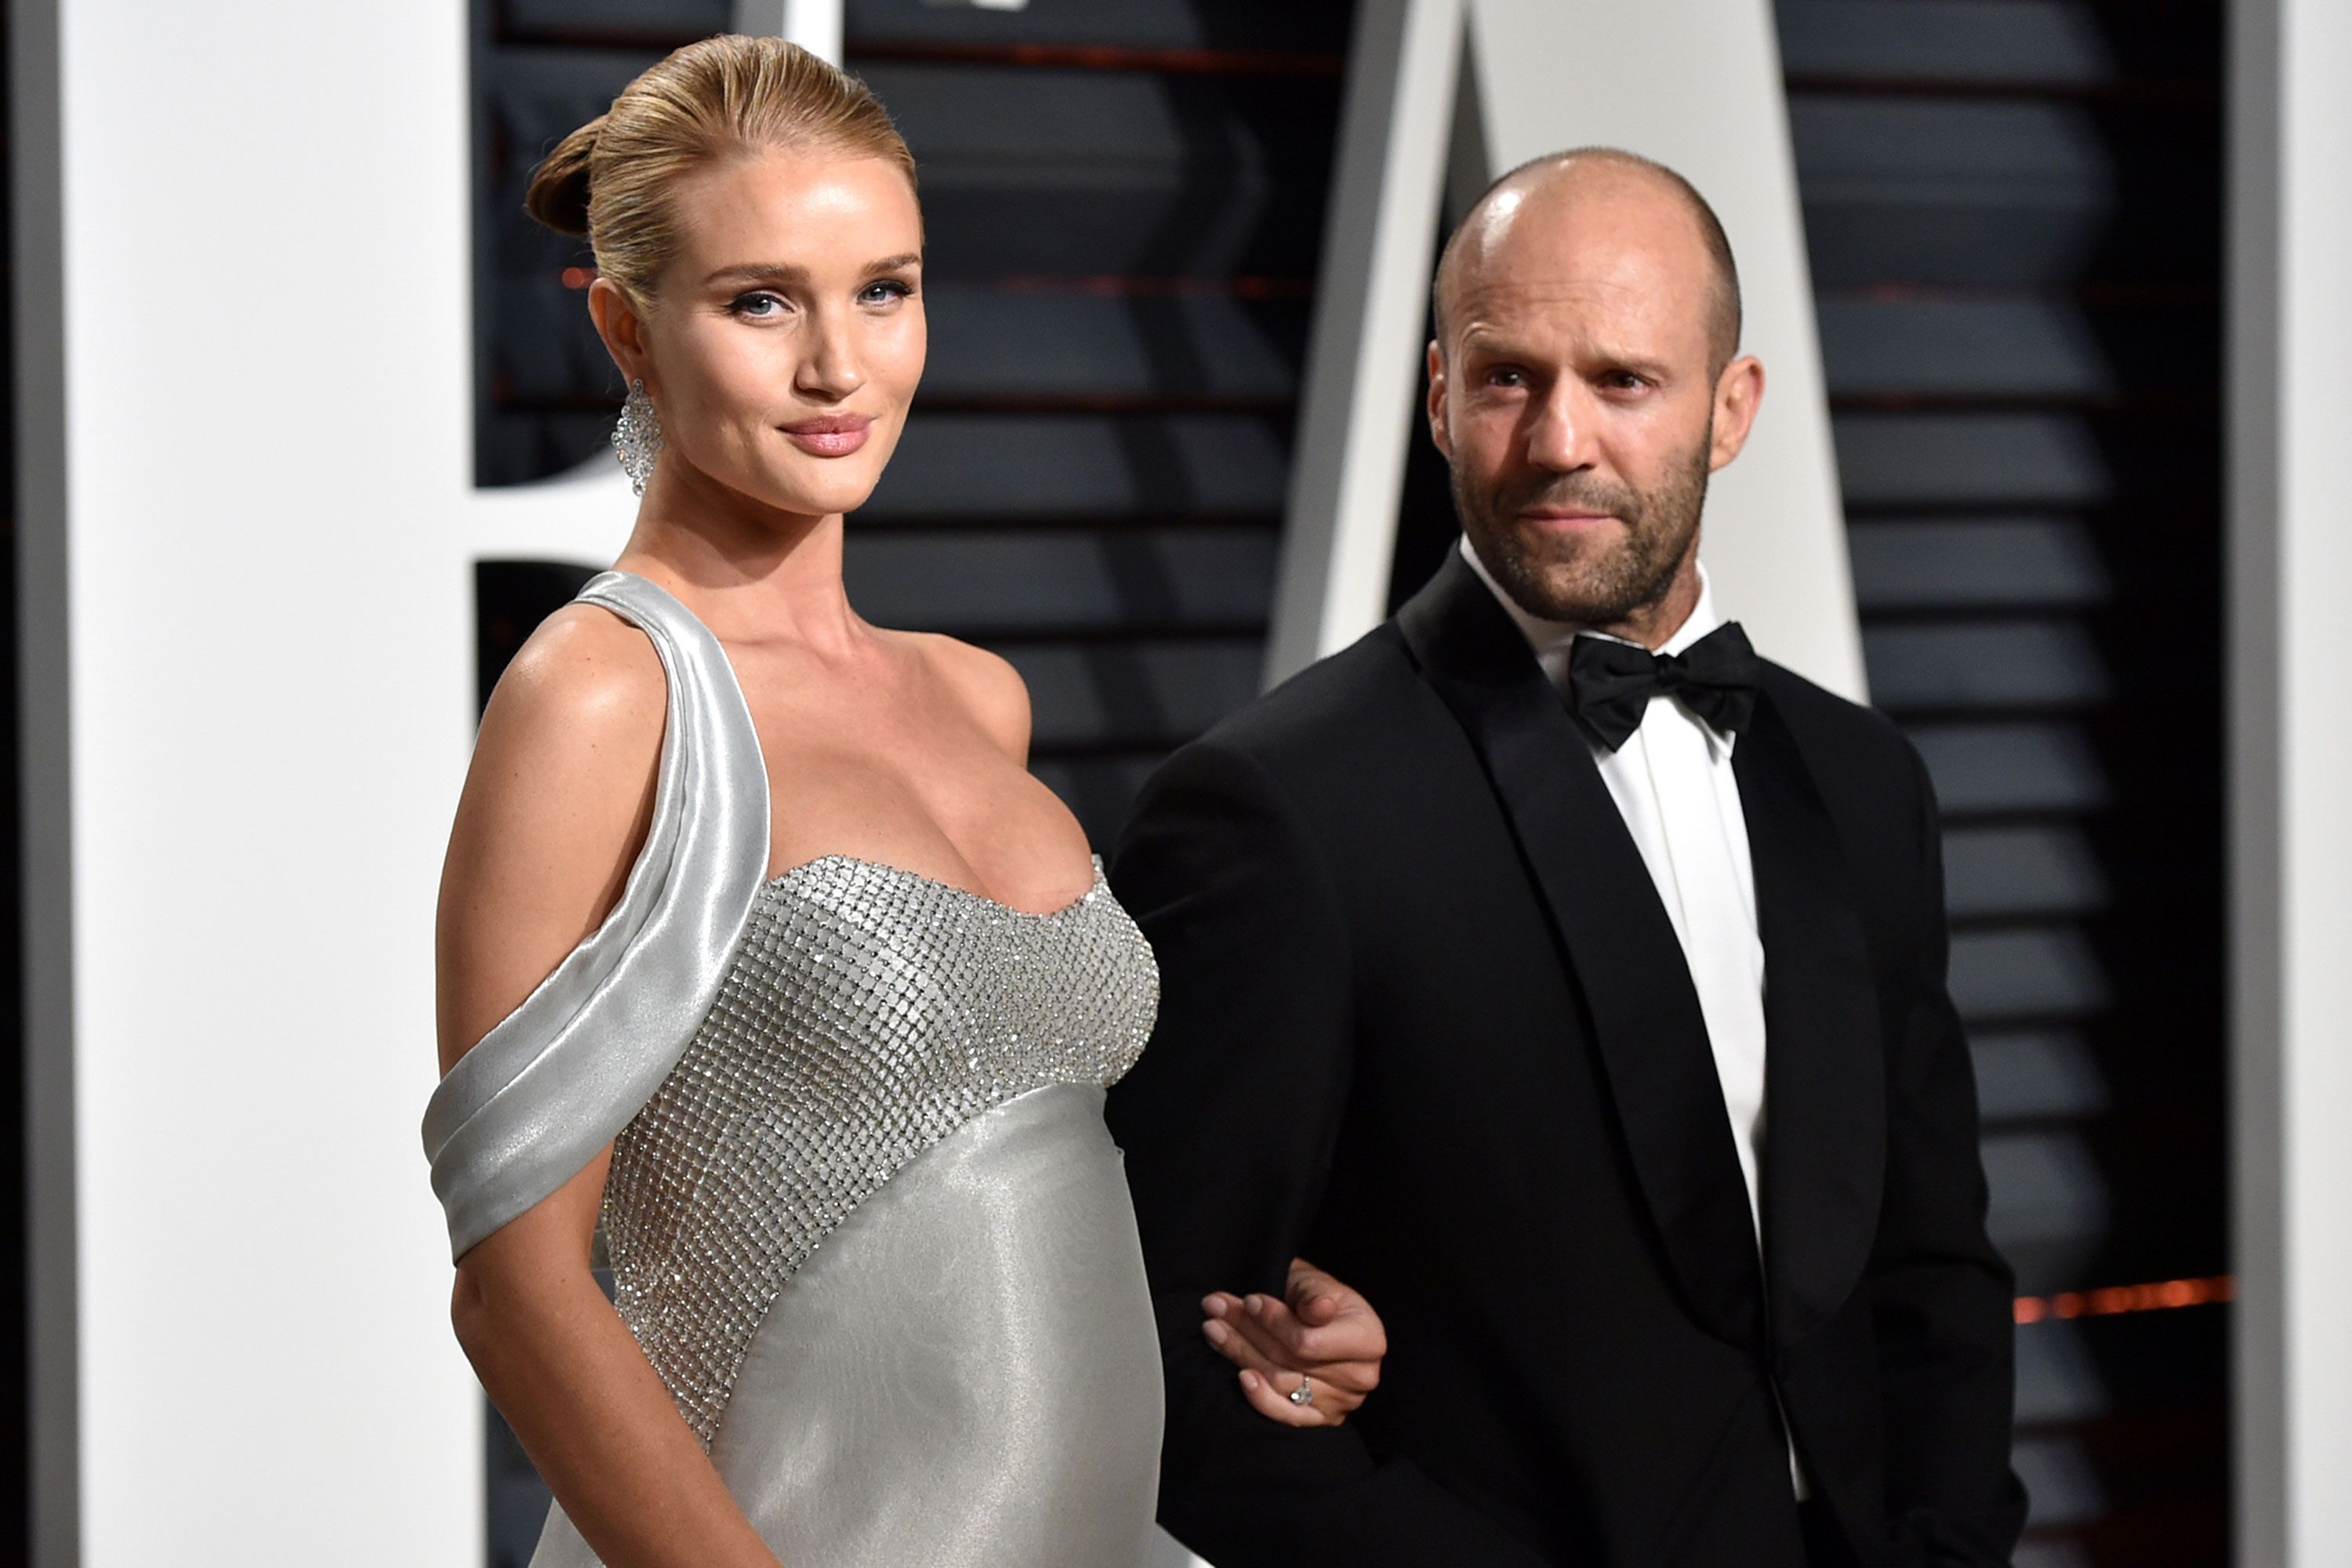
{"x": 1998, "y": 192}
{"x": 1140, "y": 695}
{"x": 2021, "y": 347}
{"x": 2046, "y": 561}
{"x": 2013, "y": 44}
{"x": 1061, "y": 171}
{"x": 2012, "y": 767}
{"x": 1017, "y": 467}
{"x": 2049, "y": 665}
{"x": 2008, "y": 459}
{"x": 1061, "y": 580}
{"x": 662, "y": 23}
{"x": 1232, "y": 24}
{"x": 995, "y": 341}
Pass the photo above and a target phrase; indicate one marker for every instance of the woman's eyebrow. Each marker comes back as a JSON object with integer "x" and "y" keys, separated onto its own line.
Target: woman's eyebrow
{"x": 757, "y": 272}
{"x": 752, "y": 272}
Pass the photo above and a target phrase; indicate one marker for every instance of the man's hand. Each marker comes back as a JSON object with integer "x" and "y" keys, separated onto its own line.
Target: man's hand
{"x": 1319, "y": 1330}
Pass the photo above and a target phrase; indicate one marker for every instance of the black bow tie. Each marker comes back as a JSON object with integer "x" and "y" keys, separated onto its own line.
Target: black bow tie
{"x": 1610, "y": 683}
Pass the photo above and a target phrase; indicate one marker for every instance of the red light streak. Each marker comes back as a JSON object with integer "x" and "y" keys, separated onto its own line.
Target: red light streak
{"x": 2162, "y": 1296}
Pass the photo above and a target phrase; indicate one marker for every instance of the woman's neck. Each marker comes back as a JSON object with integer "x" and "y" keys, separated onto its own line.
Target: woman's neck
{"x": 748, "y": 572}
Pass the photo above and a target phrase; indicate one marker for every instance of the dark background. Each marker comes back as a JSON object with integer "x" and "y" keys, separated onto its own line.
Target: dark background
{"x": 2013, "y": 208}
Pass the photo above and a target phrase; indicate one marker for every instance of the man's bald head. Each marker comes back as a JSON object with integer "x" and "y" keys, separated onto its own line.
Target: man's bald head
{"x": 1569, "y": 176}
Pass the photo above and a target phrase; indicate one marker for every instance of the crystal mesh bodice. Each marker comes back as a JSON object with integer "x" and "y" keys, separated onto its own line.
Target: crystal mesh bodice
{"x": 867, "y": 1014}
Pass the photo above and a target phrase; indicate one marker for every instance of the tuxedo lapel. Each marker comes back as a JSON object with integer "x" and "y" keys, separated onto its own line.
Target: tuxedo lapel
{"x": 1616, "y": 936}
{"x": 1825, "y": 1074}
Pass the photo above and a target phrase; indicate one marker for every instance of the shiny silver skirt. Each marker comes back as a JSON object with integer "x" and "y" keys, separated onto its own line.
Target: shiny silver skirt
{"x": 965, "y": 1374}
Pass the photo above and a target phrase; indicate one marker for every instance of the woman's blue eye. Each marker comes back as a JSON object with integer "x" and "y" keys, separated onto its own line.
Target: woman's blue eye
{"x": 756, "y": 305}
{"x": 886, "y": 288}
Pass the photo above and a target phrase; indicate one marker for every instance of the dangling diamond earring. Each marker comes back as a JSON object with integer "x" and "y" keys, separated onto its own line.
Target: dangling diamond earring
{"x": 637, "y": 438}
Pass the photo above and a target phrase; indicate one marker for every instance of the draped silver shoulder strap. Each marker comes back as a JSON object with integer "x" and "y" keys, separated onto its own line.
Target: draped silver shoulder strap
{"x": 556, "y": 1079}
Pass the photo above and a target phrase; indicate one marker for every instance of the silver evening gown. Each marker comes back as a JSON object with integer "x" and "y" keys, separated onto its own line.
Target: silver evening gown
{"x": 864, "y": 1217}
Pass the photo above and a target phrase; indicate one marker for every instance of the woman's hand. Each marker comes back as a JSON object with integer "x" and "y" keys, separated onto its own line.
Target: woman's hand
{"x": 1319, "y": 1331}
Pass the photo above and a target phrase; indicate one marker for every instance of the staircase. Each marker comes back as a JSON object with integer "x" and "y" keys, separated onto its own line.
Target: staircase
{"x": 2013, "y": 213}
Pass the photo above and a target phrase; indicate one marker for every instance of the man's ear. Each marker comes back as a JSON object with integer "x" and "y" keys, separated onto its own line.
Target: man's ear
{"x": 1435, "y": 403}
{"x": 622, "y": 328}
{"x": 1738, "y": 393}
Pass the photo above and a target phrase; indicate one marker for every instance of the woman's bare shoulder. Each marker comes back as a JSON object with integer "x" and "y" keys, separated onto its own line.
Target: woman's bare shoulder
{"x": 572, "y": 737}
{"x": 554, "y": 808}
{"x": 986, "y": 686}
{"x": 585, "y": 669}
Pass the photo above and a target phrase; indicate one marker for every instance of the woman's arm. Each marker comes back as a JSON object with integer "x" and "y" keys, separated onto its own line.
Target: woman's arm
{"x": 554, "y": 810}
{"x": 1319, "y": 1332}
{"x": 586, "y": 1405}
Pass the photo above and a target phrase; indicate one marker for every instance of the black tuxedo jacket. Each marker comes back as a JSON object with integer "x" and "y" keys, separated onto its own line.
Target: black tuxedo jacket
{"x": 1424, "y": 1021}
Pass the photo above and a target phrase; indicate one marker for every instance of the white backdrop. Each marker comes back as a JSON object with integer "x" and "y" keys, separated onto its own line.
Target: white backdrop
{"x": 266, "y": 560}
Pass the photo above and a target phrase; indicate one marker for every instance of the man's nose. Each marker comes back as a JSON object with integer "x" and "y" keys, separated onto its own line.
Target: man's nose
{"x": 1559, "y": 433}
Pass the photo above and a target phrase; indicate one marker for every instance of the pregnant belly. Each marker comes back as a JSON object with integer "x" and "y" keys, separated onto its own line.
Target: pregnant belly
{"x": 966, "y": 1372}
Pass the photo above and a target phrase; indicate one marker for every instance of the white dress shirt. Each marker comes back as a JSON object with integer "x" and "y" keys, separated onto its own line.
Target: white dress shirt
{"x": 1673, "y": 783}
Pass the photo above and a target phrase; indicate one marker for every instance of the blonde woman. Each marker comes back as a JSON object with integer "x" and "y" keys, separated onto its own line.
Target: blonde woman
{"x": 759, "y": 942}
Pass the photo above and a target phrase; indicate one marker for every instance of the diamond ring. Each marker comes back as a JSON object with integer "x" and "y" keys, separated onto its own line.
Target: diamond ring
{"x": 1304, "y": 1394}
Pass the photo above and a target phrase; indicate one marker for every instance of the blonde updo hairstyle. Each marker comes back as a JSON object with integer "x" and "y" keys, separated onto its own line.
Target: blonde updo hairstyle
{"x": 611, "y": 180}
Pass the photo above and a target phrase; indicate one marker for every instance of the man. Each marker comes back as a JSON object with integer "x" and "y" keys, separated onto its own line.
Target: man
{"x": 1572, "y": 983}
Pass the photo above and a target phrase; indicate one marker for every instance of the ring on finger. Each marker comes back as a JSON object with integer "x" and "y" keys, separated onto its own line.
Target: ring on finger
{"x": 1304, "y": 1394}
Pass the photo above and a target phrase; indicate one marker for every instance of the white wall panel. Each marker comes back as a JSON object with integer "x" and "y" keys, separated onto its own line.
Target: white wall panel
{"x": 1363, "y": 362}
{"x": 264, "y": 561}
{"x": 268, "y": 447}
{"x": 2291, "y": 336}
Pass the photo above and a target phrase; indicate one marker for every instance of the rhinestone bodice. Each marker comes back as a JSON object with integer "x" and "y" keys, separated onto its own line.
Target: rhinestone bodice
{"x": 867, "y": 1013}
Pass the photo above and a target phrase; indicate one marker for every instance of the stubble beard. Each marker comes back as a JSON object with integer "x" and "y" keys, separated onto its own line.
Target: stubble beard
{"x": 1595, "y": 580}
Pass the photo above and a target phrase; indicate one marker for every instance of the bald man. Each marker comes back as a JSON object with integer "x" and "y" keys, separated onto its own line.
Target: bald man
{"x": 1571, "y": 981}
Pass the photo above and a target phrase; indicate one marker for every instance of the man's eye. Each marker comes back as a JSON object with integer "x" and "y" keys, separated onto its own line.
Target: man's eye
{"x": 1624, "y": 381}
{"x": 1505, "y": 378}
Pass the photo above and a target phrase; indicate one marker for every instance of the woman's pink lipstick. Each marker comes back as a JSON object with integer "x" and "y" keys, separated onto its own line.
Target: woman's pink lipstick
{"x": 832, "y": 435}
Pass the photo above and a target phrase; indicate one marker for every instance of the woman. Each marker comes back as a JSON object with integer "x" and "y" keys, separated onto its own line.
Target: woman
{"x": 758, "y": 939}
